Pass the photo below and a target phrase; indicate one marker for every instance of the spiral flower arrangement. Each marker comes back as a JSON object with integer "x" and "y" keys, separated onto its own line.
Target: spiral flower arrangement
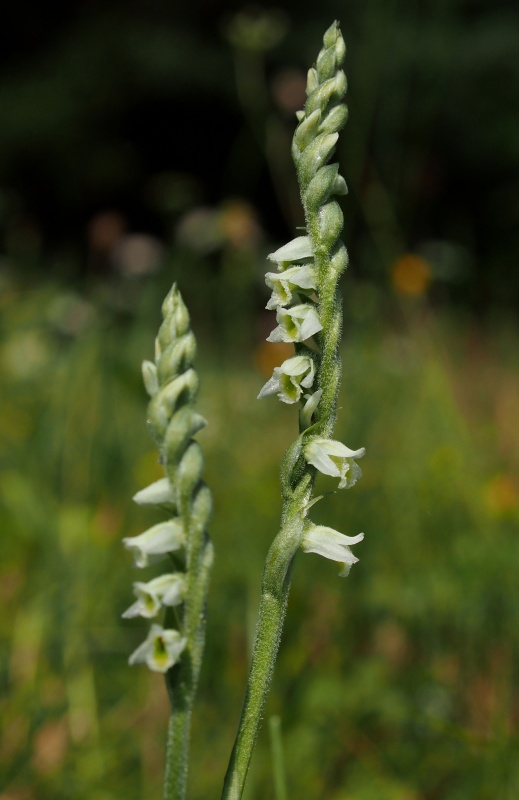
{"x": 175, "y": 648}
{"x": 308, "y": 307}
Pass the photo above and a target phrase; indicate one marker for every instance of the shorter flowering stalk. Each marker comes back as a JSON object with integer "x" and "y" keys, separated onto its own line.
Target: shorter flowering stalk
{"x": 174, "y": 649}
{"x": 307, "y": 301}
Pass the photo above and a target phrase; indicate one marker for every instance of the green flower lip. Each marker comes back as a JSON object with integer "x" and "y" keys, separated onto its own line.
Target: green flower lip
{"x": 161, "y": 649}
{"x": 289, "y": 380}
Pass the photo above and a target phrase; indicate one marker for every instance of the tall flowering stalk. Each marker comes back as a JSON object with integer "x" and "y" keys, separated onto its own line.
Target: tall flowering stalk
{"x": 307, "y": 301}
{"x": 176, "y": 647}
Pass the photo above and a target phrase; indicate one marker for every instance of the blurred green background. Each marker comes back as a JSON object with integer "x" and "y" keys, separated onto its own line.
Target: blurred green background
{"x": 142, "y": 143}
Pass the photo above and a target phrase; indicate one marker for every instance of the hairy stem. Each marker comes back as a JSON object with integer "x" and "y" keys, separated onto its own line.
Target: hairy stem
{"x": 273, "y": 603}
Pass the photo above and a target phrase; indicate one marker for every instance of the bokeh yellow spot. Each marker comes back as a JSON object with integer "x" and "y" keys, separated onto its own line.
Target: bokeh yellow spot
{"x": 502, "y": 495}
{"x": 411, "y": 275}
{"x": 239, "y": 224}
{"x": 271, "y": 354}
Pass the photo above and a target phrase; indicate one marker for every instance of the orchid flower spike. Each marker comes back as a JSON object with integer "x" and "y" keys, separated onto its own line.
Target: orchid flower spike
{"x": 331, "y": 544}
{"x": 161, "y": 650}
{"x": 334, "y": 458}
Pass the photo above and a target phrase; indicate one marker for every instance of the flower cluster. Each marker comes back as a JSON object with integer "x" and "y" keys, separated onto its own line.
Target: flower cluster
{"x": 172, "y": 384}
{"x": 297, "y": 321}
{"x": 305, "y": 292}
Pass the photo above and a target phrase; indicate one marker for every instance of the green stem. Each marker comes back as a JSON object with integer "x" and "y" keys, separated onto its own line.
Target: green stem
{"x": 177, "y": 745}
{"x": 182, "y": 679}
{"x": 273, "y": 603}
{"x": 278, "y": 762}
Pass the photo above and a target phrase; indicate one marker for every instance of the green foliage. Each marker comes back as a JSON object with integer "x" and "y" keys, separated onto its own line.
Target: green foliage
{"x": 398, "y": 683}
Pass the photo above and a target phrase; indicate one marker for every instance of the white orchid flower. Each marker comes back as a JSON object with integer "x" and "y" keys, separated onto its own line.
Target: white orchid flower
{"x": 296, "y": 250}
{"x": 335, "y": 459}
{"x": 161, "y": 649}
{"x": 166, "y": 590}
{"x": 301, "y": 278}
{"x": 295, "y": 324}
{"x": 289, "y": 380}
{"x": 156, "y": 494}
{"x": 331, "y": 544}
{"x": 166, "y": 537}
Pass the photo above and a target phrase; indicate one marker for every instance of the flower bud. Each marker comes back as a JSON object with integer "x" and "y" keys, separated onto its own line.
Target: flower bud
{"x": 315, "y": 156}
{"x": 326, "y": 64}
{"x": 339, "y": 259}
{"x": 312, "y": 81}
{"x": 176, "y": 357}
{"x": 332, "y": 34}
{"x": 321, "y": 186}
{"x": 183, "y": 425}
{"x": 202, "y": 508}
{"x": 189, "y": 472}
{"x": 306, "y": 131}
{"x": 331, "y": 221}
{"x": 149, "y": 377}
{"x": 181, "y": 390}
{"x": 334, "y": 120}
{"x": 176, "y": 318}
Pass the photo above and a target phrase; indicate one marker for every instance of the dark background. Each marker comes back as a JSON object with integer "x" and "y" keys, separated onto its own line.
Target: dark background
{"x": 133, "y": 107}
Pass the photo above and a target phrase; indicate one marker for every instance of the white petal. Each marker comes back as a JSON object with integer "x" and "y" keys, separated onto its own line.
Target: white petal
{"x": 331, "y": 544}
{"x": 139, "y": 656}
{"x": 166, "y": 537}
{"x": 316, "y": 455}
{"x": 133, "y": 611}
{"x": 300, "y": 247}
{"x": 350, "y": 475}
{"x": 279, "y": 334}
{"x": 300, "y": 278}
{"x": 310, "y": 324}
{"x": 296, "y": 365}
{"x": 271, "y": 387}
{"x": 175, "y": 591}
{"x": 335, "y": 448}
{"x": 159, "y": 493}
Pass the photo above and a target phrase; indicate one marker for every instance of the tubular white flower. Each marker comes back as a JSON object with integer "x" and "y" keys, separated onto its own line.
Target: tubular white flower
{"x": 166, "y": 590}
{"x": 156, "y": 494}
{"x": 331, "y": 544}
{"x": 295, "y": 324}
{"x": 334, "y": 458}
{"x": 166, "y": 537}
{"x": 161, "y": 650}
{"x": 289, "y": 380}
{"x": 301, "y": 278}
{"x": 298, "y": 248}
